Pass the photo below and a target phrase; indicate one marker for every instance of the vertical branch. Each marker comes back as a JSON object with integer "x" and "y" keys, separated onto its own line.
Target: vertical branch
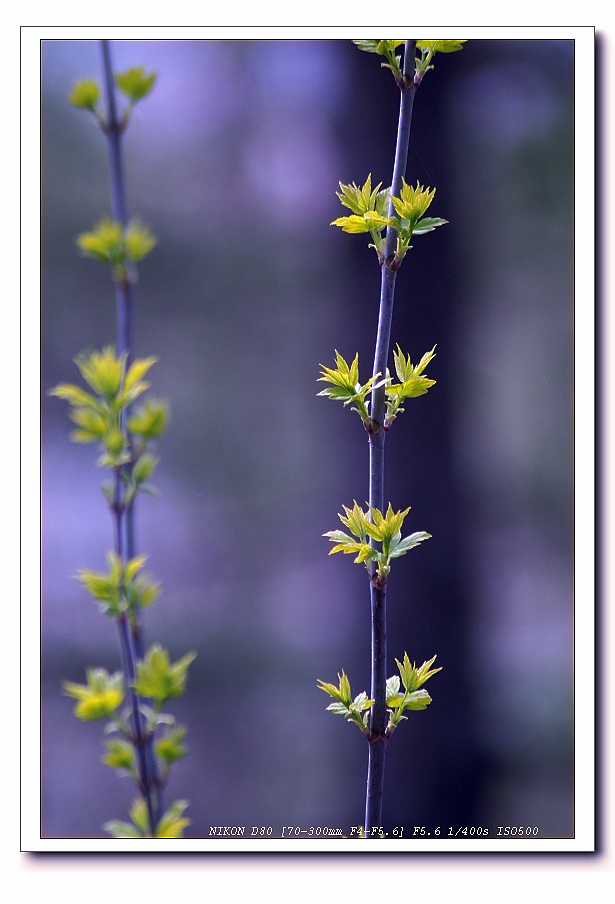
{"x": 377, "y": 724}
{"x": 389, "y": 271}
{"x": 148, "y": 779}
{"x": 113, "y": 129}
{"x": 119, "y": 208}
{"x": 131, "y": 633}
{"x": 148, "y": 783}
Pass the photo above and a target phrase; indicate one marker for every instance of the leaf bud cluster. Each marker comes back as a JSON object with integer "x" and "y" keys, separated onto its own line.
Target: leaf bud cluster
{"x": 346, "y": 386}
{"x": 371, "y": 527}
{"x": 372, "y": 212}
{"x": 413, "y": 697}
{"x": 121, "y": 247}
{"x": 134, "y": 84}
{"x": 427, "y": 49}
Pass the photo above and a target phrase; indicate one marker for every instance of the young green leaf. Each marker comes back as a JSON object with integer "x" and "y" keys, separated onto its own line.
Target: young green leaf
{"x": 85, "y": 95}
{"x": 160, "y": 679}
{"x": 369, "y": 211}
{"x": 117, "y": 828}
{"x": 149, "y": 421}
{"x": 383, "y": 529}
{"x": 135, "y": 83}
{"x": 107, "y": 587}
{"x": 138, "y": 241}
{"x": 384, "y": 48}
{"x": 100, "y": 697}
{"x": 441, "y": 46}
{"x": 344, "y": 704}
{"x": 120, "y": 755}
{"x": 120, "y": 247}
{"x": 170, "y": 748}
{"x": 428, "y": 50}
{"x": 104, "y": 242}
{"x": 413, "y": 678}
{"x": 92, "y": 426}
{"x": 401, "y": 547}
{"x": 173, "y": 823}
{"x": 341, "y": 693}
{"x": 103, "y": 372}
{"x": 412, "y": 202}
{"x": 346, "y": 387}
{"x": 428, "y": 224}
{"x": 122, "y": 588}
{"x": 413, "y": 383}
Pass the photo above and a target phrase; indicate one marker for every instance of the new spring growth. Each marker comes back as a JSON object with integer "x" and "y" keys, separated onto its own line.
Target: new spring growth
{"x": 370, "y": 214}
{"x": 171, "y": 824}
{"x": 347, "y": 388}
{"x": 357, "y": 710}
{"x": 100, "y": 697}
{"x": 112, "y": 412}
{"x": 122, "y": 588}
{"x": 157, "y": 680}
{"x": 121, "y": 247}
{"x": 134, "y": 85}
{"x": 427, "y": 49}
{"x": 99, "y": 415}
{"x": 385, "y": 530}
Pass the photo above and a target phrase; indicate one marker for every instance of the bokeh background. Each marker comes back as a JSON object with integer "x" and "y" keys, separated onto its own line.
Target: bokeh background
{"x": 233, "y": 162}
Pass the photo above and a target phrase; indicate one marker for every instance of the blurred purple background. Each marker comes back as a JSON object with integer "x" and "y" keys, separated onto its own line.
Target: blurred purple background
{"x": 233, "y": 162}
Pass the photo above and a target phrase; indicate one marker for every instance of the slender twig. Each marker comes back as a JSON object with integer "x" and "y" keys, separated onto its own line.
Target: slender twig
{"x": 131, "y": 633}
{"x": 148, "y": 779}
{"x": 113, "y": 128}
{"x": 378, "y": 713}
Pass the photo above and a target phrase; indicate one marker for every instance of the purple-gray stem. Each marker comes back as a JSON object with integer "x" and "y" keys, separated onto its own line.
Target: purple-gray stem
{"x": 131, "y": 634}
{"x": 378, "y": 713}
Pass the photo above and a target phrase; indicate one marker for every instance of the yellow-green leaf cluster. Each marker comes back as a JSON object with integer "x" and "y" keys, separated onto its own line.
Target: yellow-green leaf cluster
{"x": 346, "y": 386}
{"x": 85, "y": 95}
{"x": 382, "y": 529}
{"x": 135, "y": 83}
{"x": 428, "y": 50}
{"x": 121, "y": 247}
{"x": 122, "y": 588}
{"x": 149, "y": 421}
{"x": 173, "y": 822}
{"x": 344, "y": 705}
{"x": 413, "y": 202}
{"x": 369, "y": 211}
{"x": 413, "y": 678}
{"x": 170, "y": 825}
{"x": 385, "y": 48}
{"x": 440, "y": 46}
{"x": 100, "y": 697}
{"x": 412, "y": 382}
{"x": 170, "y": 748}
{"x": 413, "y": 698}
{"x": 98, "y": 415}
{"x": 410, "y": 206}
{"x": 160, "y": 679}
{"x": 120, "y": 755}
